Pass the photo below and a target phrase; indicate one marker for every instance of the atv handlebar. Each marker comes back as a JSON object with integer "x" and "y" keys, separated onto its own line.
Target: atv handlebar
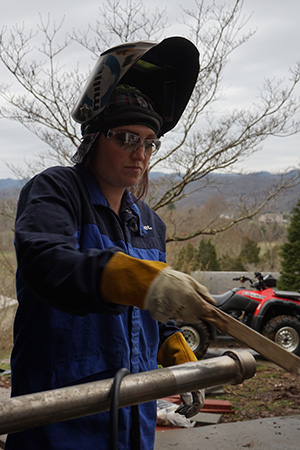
{"x": 242, "y": 279}
{"x": 262, "y": 282}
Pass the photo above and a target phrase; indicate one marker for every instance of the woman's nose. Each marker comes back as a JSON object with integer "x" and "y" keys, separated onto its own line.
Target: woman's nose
{"x": 139, "y": 153}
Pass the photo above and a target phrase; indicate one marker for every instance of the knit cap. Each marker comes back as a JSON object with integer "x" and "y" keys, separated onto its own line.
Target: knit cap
{"x": 127, "y": 106}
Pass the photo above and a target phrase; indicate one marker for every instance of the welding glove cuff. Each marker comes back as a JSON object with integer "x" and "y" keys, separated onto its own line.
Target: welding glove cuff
{"x": 154, "y": 286}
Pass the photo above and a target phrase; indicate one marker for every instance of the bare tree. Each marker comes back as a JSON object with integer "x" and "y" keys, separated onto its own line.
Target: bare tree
{"x": 45, "y": 91}
{"x": 242, "y": 207}
{"x": 7, "y": 257}
{"x": 205, "y": 140}
{"x": 122, "y": 22}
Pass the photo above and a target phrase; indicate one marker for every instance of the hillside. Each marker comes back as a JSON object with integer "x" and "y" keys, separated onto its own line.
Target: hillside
{"x": 227, "y": 185}
{"x": 230, "y": 186}
{"x": 10, "y": 187}
{"x": 9, "y": 183}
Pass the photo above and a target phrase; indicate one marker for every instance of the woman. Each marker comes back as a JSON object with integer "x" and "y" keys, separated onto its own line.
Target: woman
{"x": 92, "y": 277}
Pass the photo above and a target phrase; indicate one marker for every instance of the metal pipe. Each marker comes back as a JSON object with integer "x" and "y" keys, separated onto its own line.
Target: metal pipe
{"x": 32, "y": 410}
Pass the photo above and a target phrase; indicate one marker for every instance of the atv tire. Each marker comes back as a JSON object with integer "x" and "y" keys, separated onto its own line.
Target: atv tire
{"x": 285, "y": 331}
{"x": 197, "y": 337}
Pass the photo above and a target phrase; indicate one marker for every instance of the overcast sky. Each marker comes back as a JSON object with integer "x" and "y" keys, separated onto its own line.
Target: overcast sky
{"x": 269, "y": 53}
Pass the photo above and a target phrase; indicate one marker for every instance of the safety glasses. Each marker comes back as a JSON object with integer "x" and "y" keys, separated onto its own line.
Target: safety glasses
{"x": 131, "y": 142}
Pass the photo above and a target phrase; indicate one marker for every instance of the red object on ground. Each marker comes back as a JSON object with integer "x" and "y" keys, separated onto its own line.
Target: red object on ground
{"x": 210, "y": 406}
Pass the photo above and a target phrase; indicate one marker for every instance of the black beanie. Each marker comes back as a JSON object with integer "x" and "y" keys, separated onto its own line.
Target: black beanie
{"x": 127, "y": 106}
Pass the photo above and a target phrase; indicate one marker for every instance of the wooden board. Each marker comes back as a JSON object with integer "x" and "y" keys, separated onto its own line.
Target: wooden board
{"x": 267, "y": 348}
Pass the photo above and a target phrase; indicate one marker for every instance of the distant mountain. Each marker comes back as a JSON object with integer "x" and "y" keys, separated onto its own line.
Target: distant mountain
{"x": 226, "y": 185}
{"x": 10, "y": 187}
{"x": 233, "y": 185}
{"x": 9, "y": 183}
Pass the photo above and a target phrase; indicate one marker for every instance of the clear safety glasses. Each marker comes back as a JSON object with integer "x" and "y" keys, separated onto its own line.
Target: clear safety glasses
{"x": 131, "y": 142}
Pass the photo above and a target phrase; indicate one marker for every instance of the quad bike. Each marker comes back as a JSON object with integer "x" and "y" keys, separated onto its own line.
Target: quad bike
{"x": 273, "y": 313}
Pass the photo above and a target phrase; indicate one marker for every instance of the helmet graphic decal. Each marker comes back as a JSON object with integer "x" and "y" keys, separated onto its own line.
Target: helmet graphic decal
{"x": 104, "y": 79}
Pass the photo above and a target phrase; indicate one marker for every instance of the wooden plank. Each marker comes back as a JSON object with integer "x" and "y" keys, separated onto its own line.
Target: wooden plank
{"x": 267, "y": 348}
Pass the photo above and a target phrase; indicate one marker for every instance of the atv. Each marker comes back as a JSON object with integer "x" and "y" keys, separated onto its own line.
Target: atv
{"x": 273, "y": 313}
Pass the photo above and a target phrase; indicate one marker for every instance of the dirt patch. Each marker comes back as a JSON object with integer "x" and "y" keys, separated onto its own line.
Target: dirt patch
{"x": 272, "y": 392}
{"x": 5, "y": 382}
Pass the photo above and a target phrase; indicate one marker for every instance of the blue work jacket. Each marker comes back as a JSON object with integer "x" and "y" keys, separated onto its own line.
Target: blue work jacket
{"x": 64, "y": 332}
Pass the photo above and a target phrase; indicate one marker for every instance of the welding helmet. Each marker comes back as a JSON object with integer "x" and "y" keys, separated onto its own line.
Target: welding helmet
{"x": 165, "y": 72}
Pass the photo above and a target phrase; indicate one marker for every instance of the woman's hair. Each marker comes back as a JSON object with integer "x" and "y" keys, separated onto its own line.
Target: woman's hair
{"x": 140, "y": 189}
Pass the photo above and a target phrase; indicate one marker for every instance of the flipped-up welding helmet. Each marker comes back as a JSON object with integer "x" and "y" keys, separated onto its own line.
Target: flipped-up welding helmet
{"x": 166, "y": 72}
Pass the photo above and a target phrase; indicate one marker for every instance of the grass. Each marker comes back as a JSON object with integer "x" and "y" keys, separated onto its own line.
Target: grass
{"x": 4, "y": 355}
{"x": 4, "y": 366}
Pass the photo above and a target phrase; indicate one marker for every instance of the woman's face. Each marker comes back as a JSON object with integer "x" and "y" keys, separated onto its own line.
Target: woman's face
{"x": 116, "y": 168}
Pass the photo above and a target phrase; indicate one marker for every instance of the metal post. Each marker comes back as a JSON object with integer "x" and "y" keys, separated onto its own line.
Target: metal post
{"x": 32, "y": 410}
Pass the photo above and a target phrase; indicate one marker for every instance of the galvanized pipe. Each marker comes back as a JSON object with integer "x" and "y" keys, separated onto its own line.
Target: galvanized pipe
{"x": 32, "y": 410}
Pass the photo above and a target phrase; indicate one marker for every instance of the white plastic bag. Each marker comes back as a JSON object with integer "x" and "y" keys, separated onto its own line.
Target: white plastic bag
{"x": 167, "y": 417}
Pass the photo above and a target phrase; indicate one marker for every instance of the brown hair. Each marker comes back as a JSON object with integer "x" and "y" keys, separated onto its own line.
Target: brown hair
{"x": 140, "y": 189}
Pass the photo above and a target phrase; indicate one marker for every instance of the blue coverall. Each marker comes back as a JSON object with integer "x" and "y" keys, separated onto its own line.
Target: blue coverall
{"x": 64, "y": 332}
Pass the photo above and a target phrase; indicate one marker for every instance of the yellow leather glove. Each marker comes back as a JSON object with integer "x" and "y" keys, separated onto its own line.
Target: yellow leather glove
{"x": 153, "y": 285}
{"x": 126, "y": 280}
{"x": 175, "y": 350}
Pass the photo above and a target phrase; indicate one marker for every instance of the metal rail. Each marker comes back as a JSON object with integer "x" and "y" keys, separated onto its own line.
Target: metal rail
{"x": 32, "y": 410}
